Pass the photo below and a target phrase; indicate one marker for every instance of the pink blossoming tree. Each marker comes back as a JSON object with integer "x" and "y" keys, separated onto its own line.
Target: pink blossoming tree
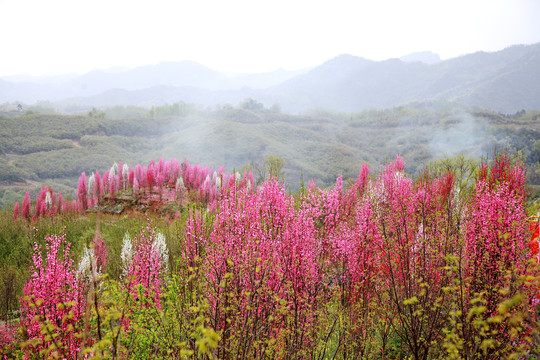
{"x": 53, "y": 303}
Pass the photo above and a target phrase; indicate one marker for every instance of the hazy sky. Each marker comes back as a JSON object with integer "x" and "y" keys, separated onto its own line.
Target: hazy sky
{"x": 62, "y": 36}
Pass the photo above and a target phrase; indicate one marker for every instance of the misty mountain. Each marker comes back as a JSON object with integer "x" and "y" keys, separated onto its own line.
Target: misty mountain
{"x": 159, "y": 95}
{"x": 265, "y": 80}
{"x": 187, "y": 79}
{"x": 349, "y": 83}
{"x": 169, "y": 74}
{"x": 184, "y": 73}
{"x": 27, "y": 92}
{"x": 505, "y": 81}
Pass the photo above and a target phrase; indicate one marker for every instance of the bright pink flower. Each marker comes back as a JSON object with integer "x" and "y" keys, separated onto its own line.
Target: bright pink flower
{"x": 270, "y": 252}
{"x": 131, "y": 176}
{"x": 37, "y": 212}
{"x": 98, "y": 186}
{"x": 60, "y": 202}
{"x": 161, "y": 166}
{"x": 55, "y": 291}
{"x": 16, "y": 211}
{"x": 150, "y": 176}
{"x": 8, "y": 336}
{"x": 176, "y": 171}
{"x": 82, "y": 192}
{"x": 496, "y": 228}
{"x": 101, "y": 251}
{"x": 26, "y": 206}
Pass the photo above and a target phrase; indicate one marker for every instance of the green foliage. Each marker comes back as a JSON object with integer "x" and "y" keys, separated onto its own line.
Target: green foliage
{"x": 462, "y": 166}
{"x": 176, "y": 109}
{"x": 251, "y": 104}
{"x": 274, "y": 166}
{"x": 43, "y": 107}
{"x": 10, "y": 173}
{"x": 473, "y": 333}
{"x": 30, "y": 144}
{"x": 125, "y": 112}
{"x": 95, "y": 113}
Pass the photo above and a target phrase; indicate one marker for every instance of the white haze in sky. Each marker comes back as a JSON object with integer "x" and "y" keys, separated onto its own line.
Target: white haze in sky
{"x": 45, "y": 37}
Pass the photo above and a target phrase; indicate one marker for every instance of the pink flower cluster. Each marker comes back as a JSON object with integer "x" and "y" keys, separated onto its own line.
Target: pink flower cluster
{"x": 496, "y": 228}
{"x": 271, "y": 263}
{"x": 168, "y": 178}
{"x": 8, "y": 335}
{"x": 146, "y": 270}
{"x": 391, "y": 236}
{"x": 261, "y": 262}
{"x": 53, "y": 301}
{"x": 48, "y": 204}
{"x": 163, "y": 182}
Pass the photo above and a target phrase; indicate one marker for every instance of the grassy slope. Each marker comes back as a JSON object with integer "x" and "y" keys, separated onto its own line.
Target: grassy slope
{"x": 54, "y": 149}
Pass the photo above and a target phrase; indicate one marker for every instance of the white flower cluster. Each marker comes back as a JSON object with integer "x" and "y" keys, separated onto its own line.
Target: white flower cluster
{"x": 48, "y": 200}
{"x": 377, "y": 194}
{"x": 180, "y": 185}
{"x": 207, "y": 182}
{"x": 87, "y": 263}
{"x": 126, "y": 255}
{"x": 125, "y": 172}
{"x": 113, "y": 171}
{"x": 159, "y": 245}
{"x": 91, "y": 185}
{"x": 216, "y": 179}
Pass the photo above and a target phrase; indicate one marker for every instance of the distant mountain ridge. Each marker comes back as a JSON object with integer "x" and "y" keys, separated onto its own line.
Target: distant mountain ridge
{"x": 505, "y": 81}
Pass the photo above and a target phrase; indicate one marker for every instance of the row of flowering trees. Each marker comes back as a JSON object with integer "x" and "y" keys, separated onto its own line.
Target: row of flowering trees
{"x": 167, "y": 181}
{"x": 47, "y": 204}
{"x": 388, "y": 267}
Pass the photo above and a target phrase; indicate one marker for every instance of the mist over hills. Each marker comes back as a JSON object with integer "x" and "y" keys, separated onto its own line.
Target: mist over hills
{"x": 53, "y": 149}
{"x": 506, "y": 81}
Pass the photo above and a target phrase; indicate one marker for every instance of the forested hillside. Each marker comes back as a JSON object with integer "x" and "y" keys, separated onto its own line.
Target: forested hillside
{"x": 37, "y": 149}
